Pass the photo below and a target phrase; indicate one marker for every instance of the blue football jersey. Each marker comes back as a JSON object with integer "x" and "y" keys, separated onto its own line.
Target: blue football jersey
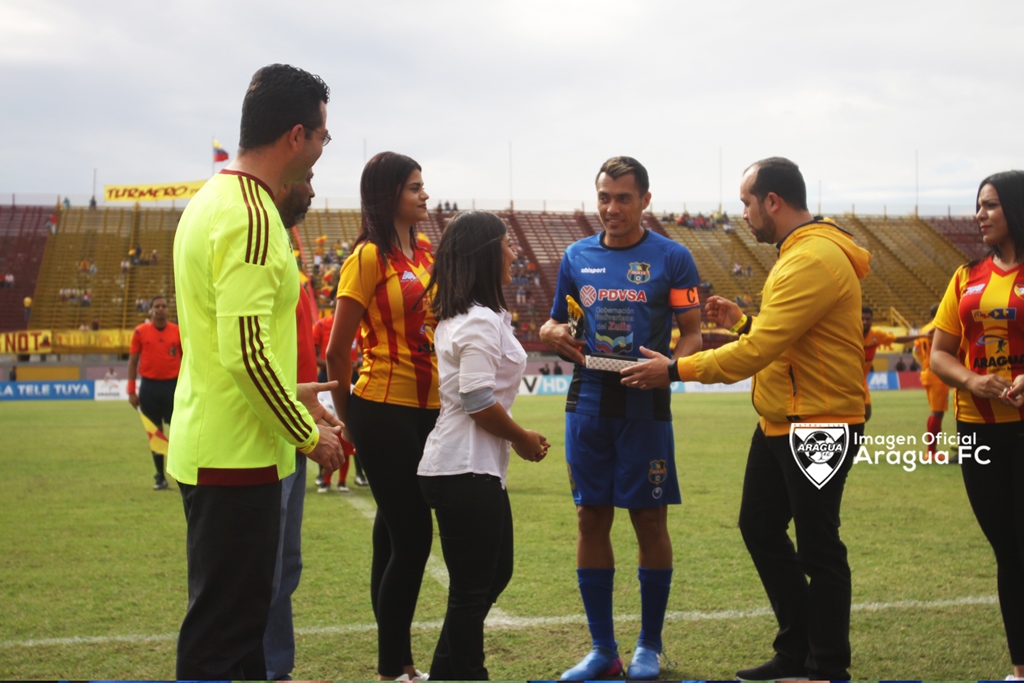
{"x": 630, "y": 297}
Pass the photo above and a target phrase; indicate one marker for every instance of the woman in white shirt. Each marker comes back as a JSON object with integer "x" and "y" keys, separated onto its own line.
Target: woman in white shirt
{"x": 462, "y": 473}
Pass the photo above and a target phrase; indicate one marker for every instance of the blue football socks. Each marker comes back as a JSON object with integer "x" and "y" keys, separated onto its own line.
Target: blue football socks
{"x": 596, "y": 587}
{"x": 655, "y": 585}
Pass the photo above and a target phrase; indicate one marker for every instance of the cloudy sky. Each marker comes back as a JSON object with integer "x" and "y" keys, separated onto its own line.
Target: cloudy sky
{"x": 528, "y": 97}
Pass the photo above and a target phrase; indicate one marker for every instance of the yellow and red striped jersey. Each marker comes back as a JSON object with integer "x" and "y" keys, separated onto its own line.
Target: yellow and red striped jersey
{"x": 923, "y": 349}
{"x": 397, "y": 329}
{"x": 984, "y": 306}
{"x": 872, "y": 340}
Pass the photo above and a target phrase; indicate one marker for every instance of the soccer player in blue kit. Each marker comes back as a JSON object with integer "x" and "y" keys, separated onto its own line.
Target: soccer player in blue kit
{"x": 632, "y": 285}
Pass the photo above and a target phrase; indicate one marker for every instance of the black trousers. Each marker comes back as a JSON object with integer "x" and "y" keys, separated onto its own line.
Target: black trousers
{"x": 809, "y": 586}
{"x": 389, "y": 440}
{"x": 474, "y": 520}
{"x": 156, "y": 400}
{"x": 232, "y": 546}
{"x": 996, "y": 491}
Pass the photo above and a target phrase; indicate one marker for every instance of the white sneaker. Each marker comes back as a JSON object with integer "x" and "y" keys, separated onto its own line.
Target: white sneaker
{"x": 420, "y": 676}
{"x": 1011, "y": 677}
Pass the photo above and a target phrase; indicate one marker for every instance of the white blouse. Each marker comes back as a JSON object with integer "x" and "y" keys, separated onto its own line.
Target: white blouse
{"x": 475, "y": 350}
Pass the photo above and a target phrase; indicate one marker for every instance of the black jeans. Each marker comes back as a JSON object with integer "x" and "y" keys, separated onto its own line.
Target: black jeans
{"x": 474, "y": 520}
{"x": 232, "y": 548}
{"x": 814, "y": 615}
{"x": 994, "y": 489}
{"x": 389, "y": 440}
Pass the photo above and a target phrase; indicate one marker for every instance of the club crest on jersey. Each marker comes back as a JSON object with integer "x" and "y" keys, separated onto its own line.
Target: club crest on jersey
{"x": 658, "y": 472}
{"x": 819, "y": 449}
{"x": 639, "y": 272}
{"x": 1019, "y": 291}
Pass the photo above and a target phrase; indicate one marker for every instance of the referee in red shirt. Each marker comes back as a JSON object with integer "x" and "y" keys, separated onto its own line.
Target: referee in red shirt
{"x": 155, "y": 355}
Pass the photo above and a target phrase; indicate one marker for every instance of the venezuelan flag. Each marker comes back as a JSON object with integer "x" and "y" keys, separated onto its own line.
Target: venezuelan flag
{"x": 219, "y": 153}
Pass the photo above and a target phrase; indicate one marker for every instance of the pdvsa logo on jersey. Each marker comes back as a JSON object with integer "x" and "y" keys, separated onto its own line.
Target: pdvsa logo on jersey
{"x": 819, "y": 449}
{"x": 588, "y": 295}
{"x": 639, "y": 272}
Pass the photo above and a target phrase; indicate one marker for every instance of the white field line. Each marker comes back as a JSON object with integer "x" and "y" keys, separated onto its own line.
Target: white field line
{"x": 498, "y": 621}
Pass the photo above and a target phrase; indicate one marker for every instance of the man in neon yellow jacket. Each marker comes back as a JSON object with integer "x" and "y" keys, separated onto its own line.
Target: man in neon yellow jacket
{"x": 805, "y": 353}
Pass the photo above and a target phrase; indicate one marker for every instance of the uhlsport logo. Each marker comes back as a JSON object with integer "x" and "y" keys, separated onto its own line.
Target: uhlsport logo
{"x": 819, "y": 449}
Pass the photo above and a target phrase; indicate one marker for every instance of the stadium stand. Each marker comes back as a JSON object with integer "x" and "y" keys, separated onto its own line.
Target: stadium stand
{"x": 23, "y": 234}
{"x": 912, "y": 260}
{"x": 962, "y": 232}
{"x": 717, "y": 252}
{"x": 910, "y": 263}
{"x": 70, "y": 293}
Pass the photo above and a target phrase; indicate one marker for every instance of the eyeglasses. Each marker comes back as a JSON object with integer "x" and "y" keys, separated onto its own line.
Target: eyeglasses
{"x": 326, "y": 135}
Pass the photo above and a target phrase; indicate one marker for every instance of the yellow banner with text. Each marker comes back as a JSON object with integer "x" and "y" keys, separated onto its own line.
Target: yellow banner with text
{"x": 152, "y": 193}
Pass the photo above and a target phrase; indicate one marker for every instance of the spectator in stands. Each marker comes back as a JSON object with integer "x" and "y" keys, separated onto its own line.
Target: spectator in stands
{"x": 92, "y": 267}
{"x": 737, "y": 269}
{"x": 125, "y": 265}
{"x": 94, "y": 325}
{"x": 557, "y": 370}
{"x": 87, "y": 298}
{"x": 447, "y": 206}
{"x": 545, "y": 369}
{"x": 900, "y": 365}
{"x": 154, "y": 257}
{"x": 455, "y": 206}
{"x": 9, "y": 280}
{"x": 989, "y": 383}
{"x": 750, "y": 270}
{"x": 27, "y": 302}
{"x": 12, "y": 375}
{"x": 92, "y": 203}
{"x": 67, "y": 203}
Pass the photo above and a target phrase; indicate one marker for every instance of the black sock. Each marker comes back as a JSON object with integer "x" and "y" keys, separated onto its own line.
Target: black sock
{"x": 158, "y": 460}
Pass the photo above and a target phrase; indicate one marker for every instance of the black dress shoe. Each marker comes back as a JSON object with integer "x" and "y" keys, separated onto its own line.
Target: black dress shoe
{"x": 775, "y": 669}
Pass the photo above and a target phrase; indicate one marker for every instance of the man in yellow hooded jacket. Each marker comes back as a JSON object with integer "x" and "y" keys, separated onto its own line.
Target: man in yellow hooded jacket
{"x": 805, "y": 353}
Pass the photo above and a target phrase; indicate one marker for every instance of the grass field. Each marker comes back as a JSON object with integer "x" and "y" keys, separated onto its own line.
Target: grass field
{"x": 92, "y": 569}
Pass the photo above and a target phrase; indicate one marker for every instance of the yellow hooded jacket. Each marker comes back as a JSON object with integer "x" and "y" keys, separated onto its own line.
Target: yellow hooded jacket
{"x": 805, "y": 349}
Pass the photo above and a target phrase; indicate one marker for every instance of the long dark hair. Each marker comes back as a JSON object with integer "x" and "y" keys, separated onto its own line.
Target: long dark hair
{"x": 1009, "y": 186}
{"x": 468, "y": 265}
{"x": 383, "y": 180}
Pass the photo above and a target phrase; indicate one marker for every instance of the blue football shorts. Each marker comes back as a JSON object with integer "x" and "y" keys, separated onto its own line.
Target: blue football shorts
{"x": 627, "y": 463}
